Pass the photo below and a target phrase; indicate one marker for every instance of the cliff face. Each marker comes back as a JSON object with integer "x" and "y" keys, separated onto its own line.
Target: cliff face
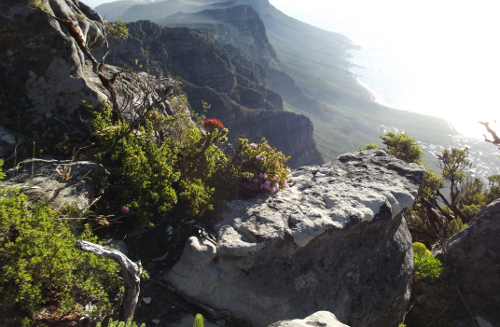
{"x": 239, "y": 25}
{"x": 224, "y": 76}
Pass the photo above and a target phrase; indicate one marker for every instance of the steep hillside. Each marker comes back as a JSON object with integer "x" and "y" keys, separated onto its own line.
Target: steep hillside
{"x": 226, "y": 78}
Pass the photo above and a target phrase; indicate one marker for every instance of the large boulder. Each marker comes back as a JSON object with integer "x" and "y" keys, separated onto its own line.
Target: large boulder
{"x": 472, "y": 262}
{"x": 335, "y": 241}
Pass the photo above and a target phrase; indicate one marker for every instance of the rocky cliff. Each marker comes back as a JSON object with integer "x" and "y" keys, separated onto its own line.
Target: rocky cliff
{"x": 239, "y": 25}
{"x": 224, "y": 76}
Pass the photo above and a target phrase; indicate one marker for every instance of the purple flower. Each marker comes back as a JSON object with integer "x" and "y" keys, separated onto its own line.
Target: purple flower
{"x": 253, "y": 145}
{"x": 253, "y": 179}
{"x": 267, "y": 185}
{"x": 260, "y": 158}
{"x": 288, "y": 170}
{"x": 125, "y": 210}
{"x": 275, "y": 177}
{"x": 285, "y": 184}
{"x": 275, "y": 188}
{"x": 263, "y": 176}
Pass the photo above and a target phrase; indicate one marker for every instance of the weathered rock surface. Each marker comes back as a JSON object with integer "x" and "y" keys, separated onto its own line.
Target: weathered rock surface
{"x": 62, "y": 182}
{"x": 44, "y": 72}
{"x": 335, "y": 241}
{"x": 473, "y": 264}
{"x": 318, "y": 319}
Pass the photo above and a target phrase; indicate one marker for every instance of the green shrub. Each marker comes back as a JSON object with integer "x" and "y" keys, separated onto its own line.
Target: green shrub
{"x": 168, "y": 159}
{"x": 198, "y": 321}
{"x": 142, "y": 172}
{"x": 425, "y": 264}
{"x": 370, "y": 146}
{"x": 118, "y": 323}
{"x": 39, "y": 264}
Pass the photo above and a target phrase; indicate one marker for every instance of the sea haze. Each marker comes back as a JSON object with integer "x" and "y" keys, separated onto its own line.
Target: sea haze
{"x": 436, "y": 58}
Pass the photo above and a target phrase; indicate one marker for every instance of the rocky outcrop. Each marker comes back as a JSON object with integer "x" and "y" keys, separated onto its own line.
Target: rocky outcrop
{"x": 318, "y": 319}
{"x": 335, "y": 241}
{"x": 42, "y": 70}
{"x": 62, "y": 182}
{"x": 472, "y": 264}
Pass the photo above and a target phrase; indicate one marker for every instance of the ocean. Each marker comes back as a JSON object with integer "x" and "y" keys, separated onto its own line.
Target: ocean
{"x": 436, "y": 58}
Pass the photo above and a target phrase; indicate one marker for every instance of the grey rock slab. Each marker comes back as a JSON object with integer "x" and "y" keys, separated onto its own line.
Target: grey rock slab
{"x": 334, "y": 241}
{"x": 63, "y": 182}
{"x": 318, "y": 319}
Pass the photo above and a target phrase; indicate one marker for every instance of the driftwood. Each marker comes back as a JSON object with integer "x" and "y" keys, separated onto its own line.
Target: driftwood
{"x": 131, "y": 273}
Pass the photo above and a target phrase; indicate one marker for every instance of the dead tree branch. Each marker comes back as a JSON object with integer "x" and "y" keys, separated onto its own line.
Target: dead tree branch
{"x": 131, "y": 273}
{"x": 496, "y": 139}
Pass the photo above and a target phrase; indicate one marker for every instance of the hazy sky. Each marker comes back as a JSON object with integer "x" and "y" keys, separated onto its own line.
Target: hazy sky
{"x": 451, "y": 46}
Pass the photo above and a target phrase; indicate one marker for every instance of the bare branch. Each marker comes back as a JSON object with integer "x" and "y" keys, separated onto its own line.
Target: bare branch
{"x": 131, "y": 273}
{"x": 496, "y": 139}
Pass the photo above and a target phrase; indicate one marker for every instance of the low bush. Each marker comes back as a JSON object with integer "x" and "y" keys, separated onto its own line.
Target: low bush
{"x": 41, "y": 272}
{"x": 170, "y": 159}
{"x": 425, "y": 264}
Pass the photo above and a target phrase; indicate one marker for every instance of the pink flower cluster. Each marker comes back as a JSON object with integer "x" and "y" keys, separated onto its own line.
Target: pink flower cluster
{"x": 260, "y": 158}
{"x": 253, "y": 180}
{"x": 253, "y": 145}
{"x": 271, "y": 186}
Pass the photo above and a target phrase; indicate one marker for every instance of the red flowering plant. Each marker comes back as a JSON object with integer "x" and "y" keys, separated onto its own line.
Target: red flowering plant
{"x": 263, "y": 166}
{"x": 215, "y": 133}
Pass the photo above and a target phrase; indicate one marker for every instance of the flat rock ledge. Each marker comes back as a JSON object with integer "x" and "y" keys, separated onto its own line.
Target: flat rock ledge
{"x": 62, "y": 182}
{"x": 335, "y": 241}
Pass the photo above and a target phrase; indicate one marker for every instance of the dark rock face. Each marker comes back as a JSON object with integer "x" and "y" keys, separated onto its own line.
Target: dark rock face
{"x": 40, "y": 64}
{"x": 473, "y": 264}
{"x": 335, "y": 241}
{"x": 229, "y": 80}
